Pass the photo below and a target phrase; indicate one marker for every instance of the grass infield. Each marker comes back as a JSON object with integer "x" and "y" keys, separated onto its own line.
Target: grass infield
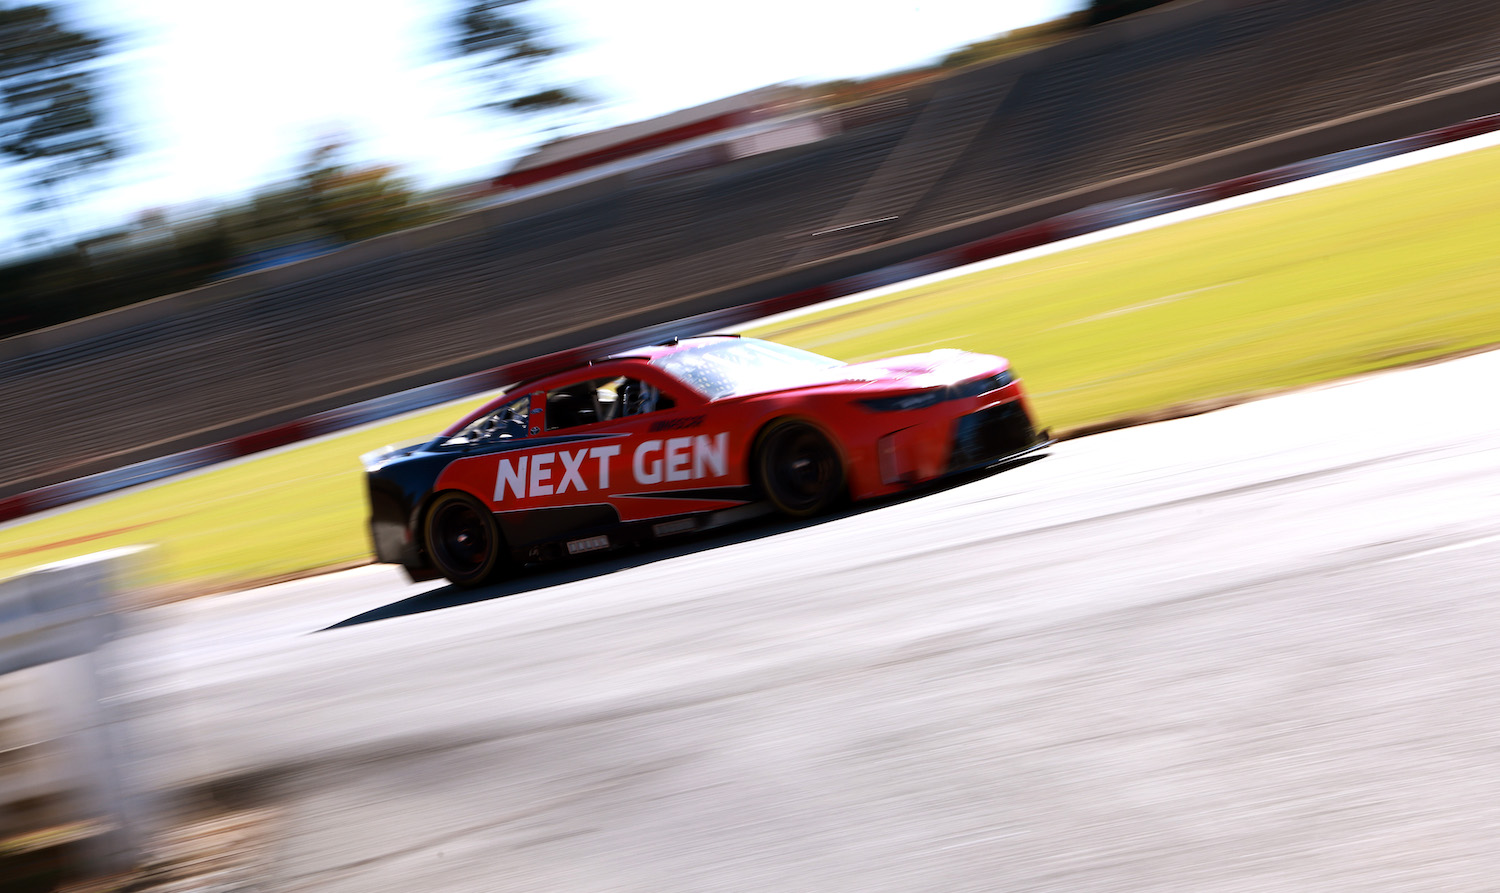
{"x": 1375, "y": 273}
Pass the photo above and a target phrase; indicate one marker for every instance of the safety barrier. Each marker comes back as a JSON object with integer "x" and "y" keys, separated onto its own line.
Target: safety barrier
{"x": 63, "y": 798}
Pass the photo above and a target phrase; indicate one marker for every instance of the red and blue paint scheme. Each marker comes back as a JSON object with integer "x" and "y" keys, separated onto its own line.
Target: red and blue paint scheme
{"x": 679, "y": 437}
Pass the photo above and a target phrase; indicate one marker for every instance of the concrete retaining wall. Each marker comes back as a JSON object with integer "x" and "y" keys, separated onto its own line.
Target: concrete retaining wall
{"x": 64, "y": 800}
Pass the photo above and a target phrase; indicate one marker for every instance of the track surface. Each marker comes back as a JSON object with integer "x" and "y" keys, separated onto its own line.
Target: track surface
{"x": 1249, "y": 650}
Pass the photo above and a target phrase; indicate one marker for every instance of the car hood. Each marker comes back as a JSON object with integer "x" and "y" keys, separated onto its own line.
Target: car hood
{"x": 923, "y": 370}
{"x": 376, "y": 458}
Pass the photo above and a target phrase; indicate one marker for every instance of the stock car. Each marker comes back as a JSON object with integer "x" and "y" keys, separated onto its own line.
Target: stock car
{"x": 683, "y": 436}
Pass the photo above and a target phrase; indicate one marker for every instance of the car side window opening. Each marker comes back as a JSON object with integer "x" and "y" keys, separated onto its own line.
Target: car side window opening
{"x": 507, "y": 422}
{"x": 602, "y": 400}
{"x": 631, "y": 396}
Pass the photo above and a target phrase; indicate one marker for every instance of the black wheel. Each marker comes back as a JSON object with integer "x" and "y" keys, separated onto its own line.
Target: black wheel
{"x": 798, "y": 469}
{"x": 463, "y": 540}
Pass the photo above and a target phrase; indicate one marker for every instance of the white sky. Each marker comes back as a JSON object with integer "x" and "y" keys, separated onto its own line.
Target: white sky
{"x": 225, "y": 97}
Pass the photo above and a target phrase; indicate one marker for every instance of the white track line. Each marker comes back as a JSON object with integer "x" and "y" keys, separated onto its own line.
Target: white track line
{"x": 1270, "y": 193}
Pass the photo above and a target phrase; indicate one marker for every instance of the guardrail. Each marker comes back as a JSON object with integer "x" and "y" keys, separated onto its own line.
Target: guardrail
{"x": 63, "y": 800}
{"x": 1051, "y": 229}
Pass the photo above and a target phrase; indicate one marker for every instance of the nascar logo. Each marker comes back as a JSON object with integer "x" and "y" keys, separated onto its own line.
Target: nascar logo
{"x": 556, "y": 472}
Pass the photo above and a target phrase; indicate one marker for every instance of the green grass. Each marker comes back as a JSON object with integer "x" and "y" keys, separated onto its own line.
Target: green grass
{"x": 1371, "y": 274}
{"x": 267, "y": 517}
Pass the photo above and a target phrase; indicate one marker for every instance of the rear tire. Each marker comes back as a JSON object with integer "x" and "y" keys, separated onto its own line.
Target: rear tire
{"x": 463, "y": 541}
{"x": 798, "y": 469}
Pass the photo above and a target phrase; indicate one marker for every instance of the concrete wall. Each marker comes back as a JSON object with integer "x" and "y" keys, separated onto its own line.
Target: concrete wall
{"x": 63, "y": 791}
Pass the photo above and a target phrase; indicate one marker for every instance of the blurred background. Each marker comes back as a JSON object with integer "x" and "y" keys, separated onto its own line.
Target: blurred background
{"x": 219, "y": 223}
{"x": 351, "y": 200}
{"x": 151, "y": 147}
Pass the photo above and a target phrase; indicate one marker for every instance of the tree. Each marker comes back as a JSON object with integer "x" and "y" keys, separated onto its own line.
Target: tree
{"x": 349, "y": 203}
{"x": 51, "y": 106}
{"x": 1011, "y": 43}
{"x": 508, "y": 51}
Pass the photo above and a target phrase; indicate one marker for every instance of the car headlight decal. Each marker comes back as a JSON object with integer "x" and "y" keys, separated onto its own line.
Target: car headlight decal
{"x": 923, "y": 399}
{"x": 905, "y": 402}
{"x": 977, "y": 386}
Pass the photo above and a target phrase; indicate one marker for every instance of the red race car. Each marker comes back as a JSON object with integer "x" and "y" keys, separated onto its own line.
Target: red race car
{"x": 679, "y": 437}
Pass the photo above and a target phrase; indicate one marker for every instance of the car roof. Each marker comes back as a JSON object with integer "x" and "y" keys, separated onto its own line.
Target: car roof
{"x": 643, "y": 354}
{"x": 669, "y": 347}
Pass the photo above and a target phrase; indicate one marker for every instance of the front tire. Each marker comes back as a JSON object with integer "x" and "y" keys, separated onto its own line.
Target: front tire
{"x": 798, "y": 469}
{"x": 463, "y": 541}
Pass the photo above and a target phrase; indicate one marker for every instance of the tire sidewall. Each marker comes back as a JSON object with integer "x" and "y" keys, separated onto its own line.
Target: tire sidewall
{"x": 767, "y": 442}
{"x": 486, "y": 571}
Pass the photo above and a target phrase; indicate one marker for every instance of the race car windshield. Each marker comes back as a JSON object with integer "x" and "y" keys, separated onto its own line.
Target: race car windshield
{"x": 743, "y": 365}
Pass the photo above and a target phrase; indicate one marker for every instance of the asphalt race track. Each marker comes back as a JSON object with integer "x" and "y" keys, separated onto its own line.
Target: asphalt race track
{"x": 1257, "y": 649}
